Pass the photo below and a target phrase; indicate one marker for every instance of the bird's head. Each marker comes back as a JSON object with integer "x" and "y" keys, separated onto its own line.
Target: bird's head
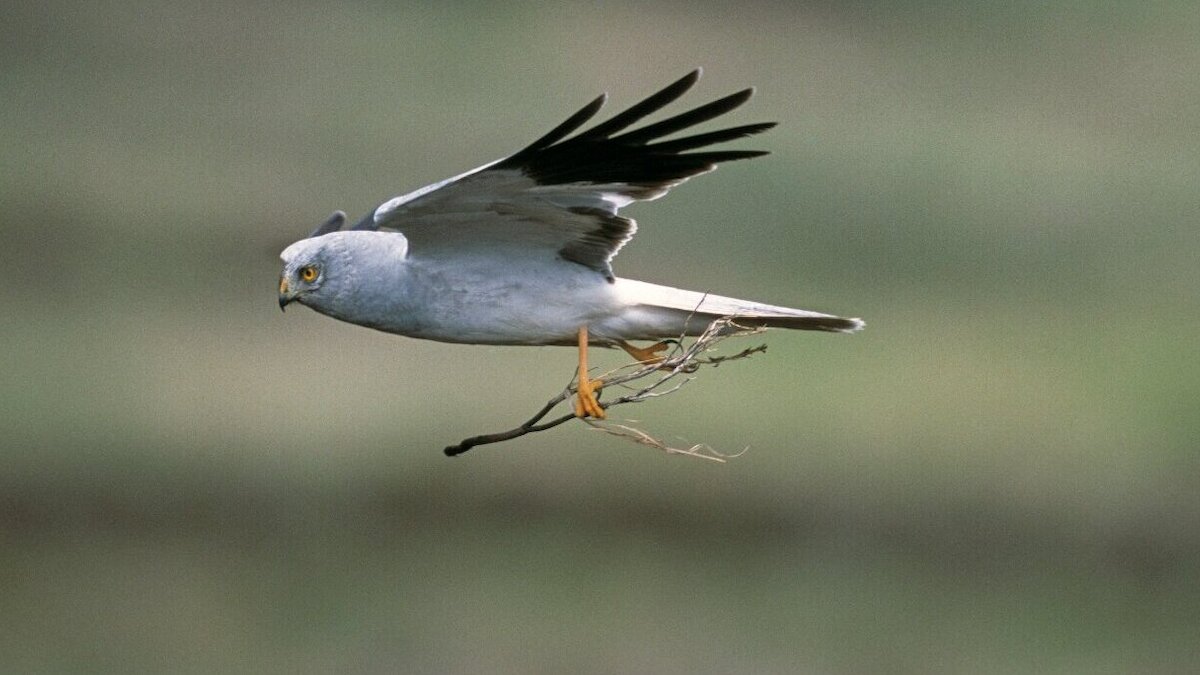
{"x": 321, "y": 272}
{"x": 310, "y": 267}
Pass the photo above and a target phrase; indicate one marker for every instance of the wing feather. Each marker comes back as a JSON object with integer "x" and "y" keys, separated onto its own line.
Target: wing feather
{"x": 560, "y": 195}
{"x": 688, "y": 119}
{"x": 650, "y": 105}
{"x": 563, "y": 130}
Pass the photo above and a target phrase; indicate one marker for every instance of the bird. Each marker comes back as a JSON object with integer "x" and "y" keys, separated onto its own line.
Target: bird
{"x": 519, "y": 251}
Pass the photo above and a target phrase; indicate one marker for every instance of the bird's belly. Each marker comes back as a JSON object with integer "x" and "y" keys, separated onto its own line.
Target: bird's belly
{"x": 472, "y": 305}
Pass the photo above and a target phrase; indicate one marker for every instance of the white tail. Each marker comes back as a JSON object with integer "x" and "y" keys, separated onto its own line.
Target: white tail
{"x": 661, "y": 311}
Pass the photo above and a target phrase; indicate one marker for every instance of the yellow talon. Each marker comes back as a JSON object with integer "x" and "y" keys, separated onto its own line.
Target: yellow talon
{"x": 586, "y": 404}
{"x": 646, "y": 355}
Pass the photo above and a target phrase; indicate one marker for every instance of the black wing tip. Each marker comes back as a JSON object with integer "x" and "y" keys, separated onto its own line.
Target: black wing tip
{"x": 647, "y": 106}
{"x": 756, "y": 128}
{"x": 686, "y": 119}
{"x": 706, "y": 139}
{"x": 687, "y": 81}
{"x": 609, "y": 152}
{"x": 744, "y": 95}
{"x": 734, "y": 155}
{"x": 731, "y": 102}
{"x": 558, "y": 133}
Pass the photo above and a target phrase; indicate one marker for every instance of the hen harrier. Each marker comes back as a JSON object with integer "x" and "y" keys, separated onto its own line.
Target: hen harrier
{"x": 518, "y": 251}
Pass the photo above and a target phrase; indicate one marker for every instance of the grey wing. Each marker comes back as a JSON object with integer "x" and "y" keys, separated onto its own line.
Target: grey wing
{"x": 561, "y": 196}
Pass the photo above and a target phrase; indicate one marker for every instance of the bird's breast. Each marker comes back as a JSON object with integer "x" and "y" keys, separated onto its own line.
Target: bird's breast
{"x": 485, "y": 301}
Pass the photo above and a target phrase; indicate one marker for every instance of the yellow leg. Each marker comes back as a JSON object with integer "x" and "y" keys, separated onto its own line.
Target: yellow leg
{"x": 648, "y": 355}
{"x": 586, "y": 404}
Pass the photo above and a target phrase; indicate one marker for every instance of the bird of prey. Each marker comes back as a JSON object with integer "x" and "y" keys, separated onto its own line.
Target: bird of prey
{"x": 519, "y": 251}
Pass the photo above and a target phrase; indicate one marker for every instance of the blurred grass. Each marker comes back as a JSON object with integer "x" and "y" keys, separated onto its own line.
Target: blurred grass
{"x": 999, "y": 475}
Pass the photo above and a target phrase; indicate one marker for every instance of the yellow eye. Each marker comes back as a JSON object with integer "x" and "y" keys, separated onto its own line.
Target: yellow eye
{"x": 308, "y": 274}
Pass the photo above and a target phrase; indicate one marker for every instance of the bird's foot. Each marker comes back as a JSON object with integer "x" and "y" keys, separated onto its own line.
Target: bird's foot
{"x": 586, "y": 403}
{"x": 648, "y": 355}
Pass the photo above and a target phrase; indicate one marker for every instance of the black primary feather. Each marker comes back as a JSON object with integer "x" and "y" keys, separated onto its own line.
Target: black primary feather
{"x": 600, "y": 156}
{"x": 647, "y": 107}
{"x": 561, "y": 131}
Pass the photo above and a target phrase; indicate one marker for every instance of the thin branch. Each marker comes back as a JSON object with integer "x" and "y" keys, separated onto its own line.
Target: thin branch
{"x": 530, "y": 426}
{"x": 674, "y": 370}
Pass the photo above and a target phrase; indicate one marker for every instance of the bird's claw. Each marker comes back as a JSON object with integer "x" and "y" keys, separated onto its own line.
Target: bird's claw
{"x": 649, "y": 355}
{"x": 586, "y": 402}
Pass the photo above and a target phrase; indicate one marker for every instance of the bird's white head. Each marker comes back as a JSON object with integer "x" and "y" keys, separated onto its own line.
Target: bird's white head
{"x": 308, "y": 266}
{"x": 319, "y": 271}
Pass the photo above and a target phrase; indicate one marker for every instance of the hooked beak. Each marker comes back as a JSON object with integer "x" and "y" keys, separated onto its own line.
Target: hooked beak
{"x": 285, "y": 294}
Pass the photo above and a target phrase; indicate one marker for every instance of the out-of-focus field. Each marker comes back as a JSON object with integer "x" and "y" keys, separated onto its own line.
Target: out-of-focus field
{"x": 999, "y": 475}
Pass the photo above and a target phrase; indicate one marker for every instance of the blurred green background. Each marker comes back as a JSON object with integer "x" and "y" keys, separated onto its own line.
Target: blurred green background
{"x": 999, "y": 475}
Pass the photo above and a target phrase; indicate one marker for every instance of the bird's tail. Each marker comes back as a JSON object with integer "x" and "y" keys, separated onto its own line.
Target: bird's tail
{"x": 661, "y": 311}
{"x": 829, "y": 324}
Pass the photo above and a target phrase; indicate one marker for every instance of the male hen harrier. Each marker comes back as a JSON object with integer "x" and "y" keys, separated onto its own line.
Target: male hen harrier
{"x": 518, "y": 251}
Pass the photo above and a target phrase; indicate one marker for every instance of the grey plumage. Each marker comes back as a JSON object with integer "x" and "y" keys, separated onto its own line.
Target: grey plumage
{"x": 519, "y": 251}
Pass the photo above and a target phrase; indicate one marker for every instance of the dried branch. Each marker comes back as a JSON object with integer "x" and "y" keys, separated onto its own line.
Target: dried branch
{"x": 664, "y": 378}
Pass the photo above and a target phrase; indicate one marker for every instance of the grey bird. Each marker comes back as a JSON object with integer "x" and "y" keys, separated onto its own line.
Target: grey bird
{"x": 519, "y": 251}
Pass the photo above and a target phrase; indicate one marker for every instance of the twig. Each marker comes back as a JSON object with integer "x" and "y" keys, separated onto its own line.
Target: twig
{"x": 675, "y": 369}
{"x": 699, "y": 450}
